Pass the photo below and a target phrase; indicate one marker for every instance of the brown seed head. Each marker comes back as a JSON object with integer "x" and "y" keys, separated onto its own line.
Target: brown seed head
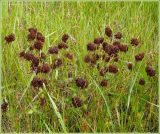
{"x": 113, "y": 69}
{"x": 139, "y": 56}
{"x": 108, "y": 31}
{"x": 10, "y": 38}
{"x": 82, "y": 83}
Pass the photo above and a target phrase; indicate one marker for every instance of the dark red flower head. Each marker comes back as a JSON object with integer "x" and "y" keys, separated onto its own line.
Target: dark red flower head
{"x": 141, "y": 81}
{"x": 104, "y": 83}
{"x": 32, "y": 30}
{"x": 77, "y": 102}
{"x": 82, "y": 83}
{"x": 69, "y": 56}
{"x": 38, "y": 45}
{"x": 87, "y": 58}
{"x": 104, "y": 45}
{"x": 118, "y": 35}
{"x": 65, "y": 37}
{"x": 40, "y": 37}
{"x": 91, "y": 47}
{"x": 98, "y": 40}
{"x": 123, "y": 48}
{"x": 130, "y": 66}
{"x": 108, "y": 31}
{"x": 35, "y": 61}
{"x": 139, "y": 56}
{"x": 111, "y": 50}
{"x": 4, "y": 106}
{"x": 28, "y": 56}
{"x": 57, "y": 63}
{"x": 112, "y": 69}
{"x": 45, "y": 68}
{"x": 62, "y": 45}
{"x": 10, "y": 38}
{"x": 53, "y": 50}
{"x": 38, "y": 82}
{"x": 134, "y": 41}
{"x": 150, "y": 71}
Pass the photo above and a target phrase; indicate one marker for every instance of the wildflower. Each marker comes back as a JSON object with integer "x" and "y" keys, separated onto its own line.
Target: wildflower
{"x": 91, "y": 47}
{"x": 35, "y": 61}
{"x": 28, "y": 56}
{"x": 69, "y": 56}
{"x": 150, "y": 71}
{"x": 32, "y": 30}
{"x": 104, "y": 83}
{"x": 32, "y": 33}
{"x": 111, "y": 50}
{"x": 57, "y": 63}
{"x": 118, "y": 35}
{"x": 45, "y": 68}
{"x": 112, "y": 69}
{"x": 130, "y": 66}
{"x": 104, "y": 45}
{"x": 98, "y": 40}
{"x": 77, "y": 102}
{"x": 53, "y": 50}
{"x": 123, "y": 48}
{"x": 62, "y": 45}
{"x": 10, "y": 38}
{"x": 141, "y": 81}
{"x": 134, "y": 41}
{"x": 38, "y": 82}
{"x": 4, "y": 106}
{"x": 38, "y": 45}
{"x": 139, "y": 56}
{"x": 82, "y": 83}
{"x": 40, "y": 37}
{"x": 65, "y": 37}
{"x": 31, "y": 36}
{"x": 87, "y": 59}
{"x": 108, "y": 31}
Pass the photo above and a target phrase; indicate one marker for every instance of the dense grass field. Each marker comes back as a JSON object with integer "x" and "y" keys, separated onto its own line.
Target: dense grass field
{"x": 122, "y": 106}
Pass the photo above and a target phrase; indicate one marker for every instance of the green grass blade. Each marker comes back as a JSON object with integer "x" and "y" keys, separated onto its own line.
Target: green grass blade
{"x": 56, "y": 111}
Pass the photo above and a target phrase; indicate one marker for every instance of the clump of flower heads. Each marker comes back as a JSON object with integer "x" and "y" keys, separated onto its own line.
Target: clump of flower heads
{"x": 103, "y": 50}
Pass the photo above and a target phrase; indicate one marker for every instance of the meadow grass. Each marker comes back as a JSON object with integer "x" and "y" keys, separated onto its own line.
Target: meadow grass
{"x": 123, "y": 106}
